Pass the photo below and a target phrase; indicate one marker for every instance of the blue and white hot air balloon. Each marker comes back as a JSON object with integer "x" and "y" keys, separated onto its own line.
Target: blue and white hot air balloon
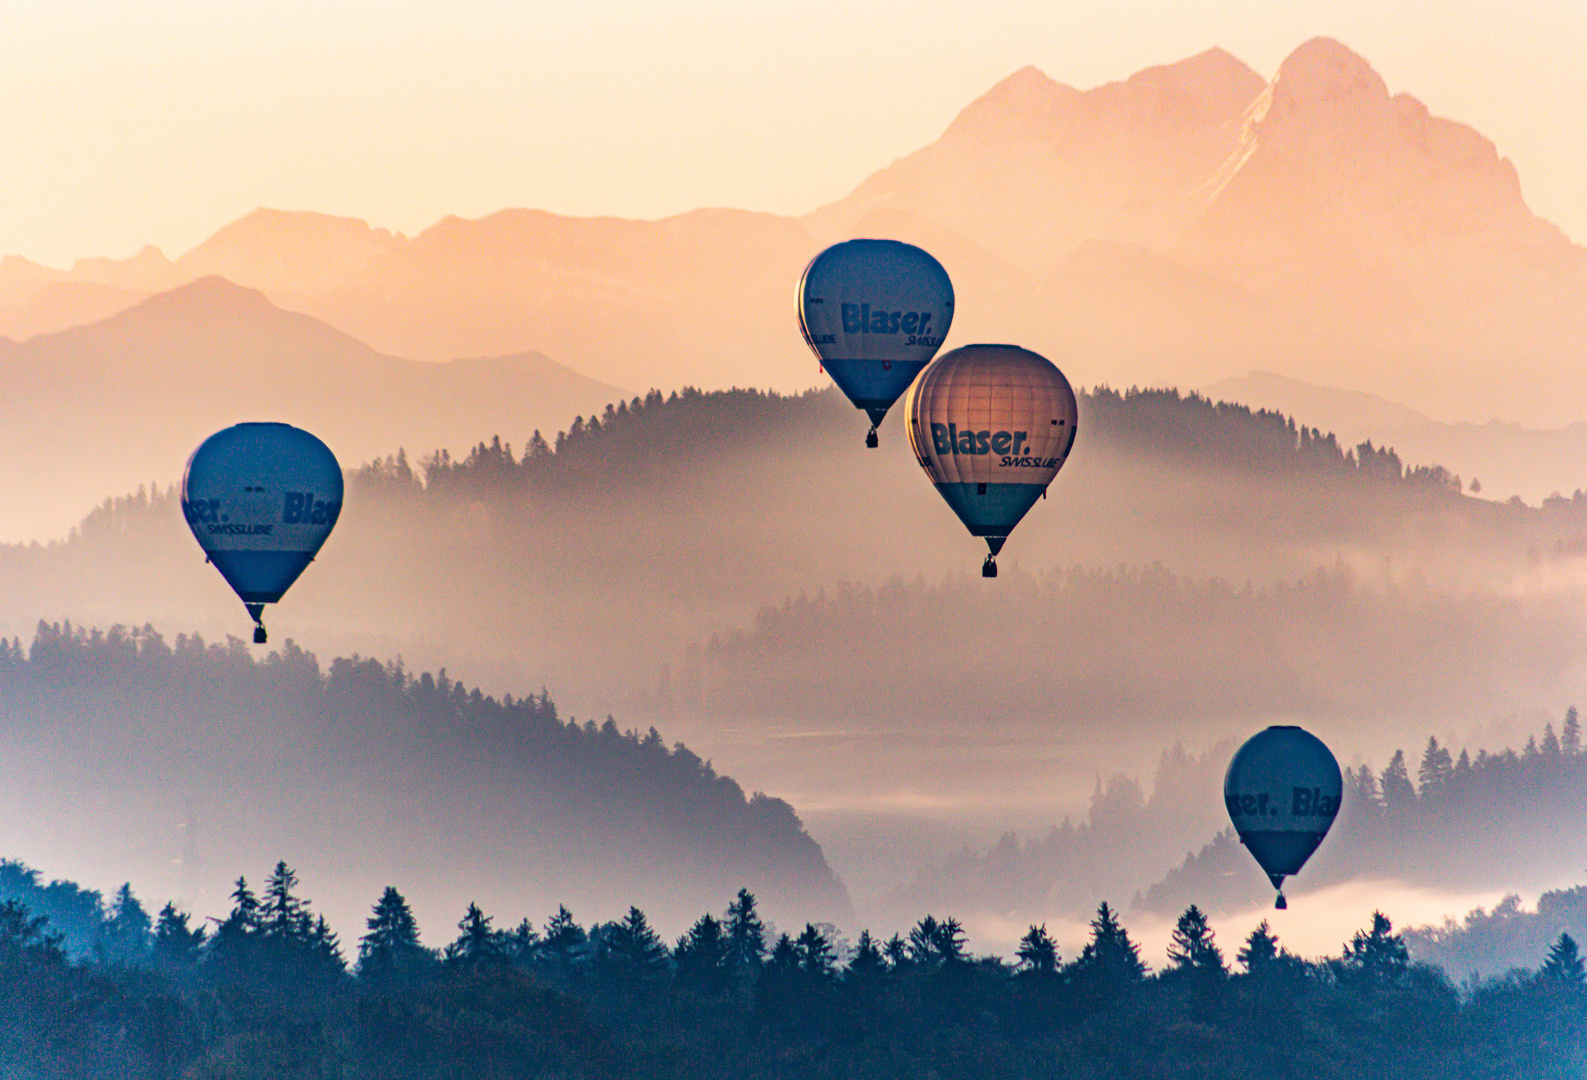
{"x": 1282, "y": 791}
{"x": 875, "y": 312}
{"x": 991, "y": 425}
{"x": 261, "y": 498}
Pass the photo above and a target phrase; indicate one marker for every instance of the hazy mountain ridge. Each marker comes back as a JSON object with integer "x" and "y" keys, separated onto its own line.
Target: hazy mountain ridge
{"x": 1033, "y": 167}
{"x": 124, "y": 401}
{"x": 1508, "y": 459}
{"x": 1369, "y": 243}
{"x": 656, "y": 491}
{"x": 1476, "y": 820}
{"x": 1449, "y": 821}
{"x": 398, "y": 776}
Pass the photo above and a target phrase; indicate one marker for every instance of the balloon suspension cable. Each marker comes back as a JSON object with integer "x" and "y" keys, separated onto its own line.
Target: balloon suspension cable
{"x": 989, "y": 568}
{"x": 871, "y": 441}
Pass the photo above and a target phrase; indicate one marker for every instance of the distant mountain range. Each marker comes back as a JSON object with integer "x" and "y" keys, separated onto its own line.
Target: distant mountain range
{"x": 103, "y": 408}
{"x": 1190, "y": 223}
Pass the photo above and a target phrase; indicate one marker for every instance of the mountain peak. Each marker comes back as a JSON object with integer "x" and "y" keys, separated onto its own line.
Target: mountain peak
{"x": 291, "y": 251}
{"x": 1213, "y": 73}
{"x": 1025, "y": 103}
{"x": 209, "y": 289}
{"x": 1324, "y": 73}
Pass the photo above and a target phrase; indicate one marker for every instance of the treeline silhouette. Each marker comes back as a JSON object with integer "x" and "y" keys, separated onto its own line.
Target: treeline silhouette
{"x": 1490, "y": 942}
{"x": 669, "y": 518}
{"x": 1482, "y": 821}
{"x": 406, "y": 763}
{"x": 1141, "y": 644}
{"x": 644, "y": 436}
{"x": 271, "y": 991}
{"x": 1471, "y": 821}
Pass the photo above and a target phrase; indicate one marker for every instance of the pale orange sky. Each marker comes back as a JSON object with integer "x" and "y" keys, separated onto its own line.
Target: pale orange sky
{"x": 158, "y": 121}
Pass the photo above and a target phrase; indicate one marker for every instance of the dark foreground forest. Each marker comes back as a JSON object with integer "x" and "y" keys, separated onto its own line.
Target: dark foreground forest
{"x": 272, "y": 992}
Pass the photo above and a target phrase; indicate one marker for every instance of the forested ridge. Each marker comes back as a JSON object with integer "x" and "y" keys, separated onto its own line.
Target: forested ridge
{"x": 272, "y": 991}
{"x": 1142, "y": 643}
{"x": 392, "y": 762}
{"x": 1490, "y": 819}
{"x": 618, "y": 530}
{"x": 1493, "y": 820}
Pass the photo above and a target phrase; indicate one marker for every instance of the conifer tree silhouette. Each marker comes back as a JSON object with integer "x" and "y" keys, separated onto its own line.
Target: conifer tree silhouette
{"x": 746, "y": 934}
{"x": 391, "y": 950}
{"x": 1565, "y": 963}
{"x": 1037, "y": 953}
{"x": 1191, "y": 950}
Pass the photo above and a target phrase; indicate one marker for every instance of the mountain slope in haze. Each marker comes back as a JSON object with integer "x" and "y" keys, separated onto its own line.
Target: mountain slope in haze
{"x": 371, "y": 776}
{"x": 1507, "y": 459}
{"x": 1406, "y": 230}
{"x": 124, "y": 401}
{"x": 665, "y": 523}
{"x": 1034, "y": 167}
{"x": 1342, "y": 234}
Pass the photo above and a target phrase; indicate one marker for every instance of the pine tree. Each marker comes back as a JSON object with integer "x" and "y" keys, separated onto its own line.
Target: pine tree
{"x": 632, "y": 944}
{"x": 236, "y": 937}
{"x": 477, "y": 945}
{"x": 1038, "y": 953}
{"x": 1399, "y": 795}
{"x": 784, "y": 956}
{"x": 1564, "y": 963}
{"x": 565, "y": 939}
{"x": 1570, "y": 737}
{"x": 1259, "y": 951}
{"x": 1435, "y": 772}
{"x": 923, "y": 942}
{"x": 175, "y": 945}
{"x": 1192, "y": 950}
{"x": 867, "y": 961}
{"x": 126, "y": 936}
{"x": 896, "y": 950}
{"x": 746, "y": 934}
{"x": 391, "y": 949}
{"x": 1377, "y": 955}
{"x": 701, "y": 956}
{"x": 324, "y": 947}
{"x": 1551, "y": 748}
{"x": 815, "y": 951}
{"x": 521, "y": 944}
{"x": 282, "y": 916}
{"x": 1110, "y": 962}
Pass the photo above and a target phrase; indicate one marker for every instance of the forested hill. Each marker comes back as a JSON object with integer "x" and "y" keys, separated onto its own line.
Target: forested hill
{"x": 1474, "y": 822}
{"x": 665, "y": 520}
{"x": 364, "y": 773}
{"x": 1502, "y": 820}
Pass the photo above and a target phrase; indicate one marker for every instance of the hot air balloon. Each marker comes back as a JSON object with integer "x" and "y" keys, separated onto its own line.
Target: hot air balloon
{"x": 991, "y": 425}
{"x": 1282, "y": 790}
{"x": 875, "y": 312}
{"x": 261, "y": 498}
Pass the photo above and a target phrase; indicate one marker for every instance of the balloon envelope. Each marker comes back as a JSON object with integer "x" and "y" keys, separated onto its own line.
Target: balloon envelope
{"x": 261, "y": 499}
{"x": 1282, "y": 791}
{"x": 991, "y": 425}
{"x": 875, "y": 312}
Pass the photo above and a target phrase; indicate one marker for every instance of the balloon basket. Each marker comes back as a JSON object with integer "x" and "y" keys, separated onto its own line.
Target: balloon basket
{"x": 1281, "y": 904}
{"x": 259, "y": 635}
{"x": 871, "y": 441}
{"x": 989, "y": 568}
